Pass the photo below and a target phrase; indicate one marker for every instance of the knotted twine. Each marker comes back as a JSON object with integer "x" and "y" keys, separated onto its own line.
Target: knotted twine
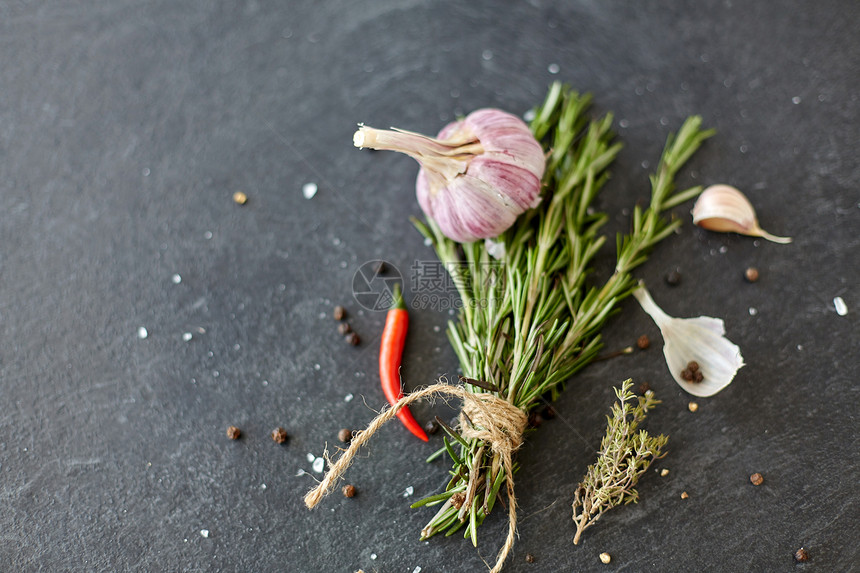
{"x": 483, "y": 416}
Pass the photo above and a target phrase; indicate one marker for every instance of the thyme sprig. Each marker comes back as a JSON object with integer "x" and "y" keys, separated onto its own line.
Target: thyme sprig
{"x": 529, "y": 321}
{"x": 624, "y": 456}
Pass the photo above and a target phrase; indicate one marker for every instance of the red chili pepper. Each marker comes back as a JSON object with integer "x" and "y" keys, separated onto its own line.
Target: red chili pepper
{"x": 390, "y": 353}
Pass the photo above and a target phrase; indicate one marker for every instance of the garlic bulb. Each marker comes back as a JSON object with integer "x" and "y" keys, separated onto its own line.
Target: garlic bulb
{"x": 724, "y": 208}
{"x": 476, "y": 176}
{"x": 700, "y": 340}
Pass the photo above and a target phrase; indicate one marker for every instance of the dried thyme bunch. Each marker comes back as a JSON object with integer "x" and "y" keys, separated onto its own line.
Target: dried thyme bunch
{"x": 624, "y": 456}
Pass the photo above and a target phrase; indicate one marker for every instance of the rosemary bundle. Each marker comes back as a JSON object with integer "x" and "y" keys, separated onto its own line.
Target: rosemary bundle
{"x": 530, "y": 321}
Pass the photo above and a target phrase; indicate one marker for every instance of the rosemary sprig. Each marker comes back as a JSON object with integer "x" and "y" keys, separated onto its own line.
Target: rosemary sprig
{"x": 624, "y": 456}
{"x": 529, "y": 321}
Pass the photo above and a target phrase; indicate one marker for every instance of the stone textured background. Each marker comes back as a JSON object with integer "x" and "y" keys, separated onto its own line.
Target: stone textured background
{"x": 125, "y": 128}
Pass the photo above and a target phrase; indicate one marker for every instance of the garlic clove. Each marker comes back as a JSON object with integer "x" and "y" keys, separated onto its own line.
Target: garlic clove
{"x": 701, "y": 339}
{"x": 496, "y": 249}
{"x": 725, "y": 209}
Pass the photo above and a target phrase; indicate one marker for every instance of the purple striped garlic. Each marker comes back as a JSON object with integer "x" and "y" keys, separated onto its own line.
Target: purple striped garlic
{"x": 477, "y": 176}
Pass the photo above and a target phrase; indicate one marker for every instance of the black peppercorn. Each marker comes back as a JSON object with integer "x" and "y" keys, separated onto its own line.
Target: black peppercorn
{"x": 431, "y": 427}
{"x": 345, "y": 435}
{"x": 751, "y": 274}
{"x": 233, "y": 432}
{"x": 692, "y": 373}
{"x": 339, "y": 313}
{"x": 279, "y": 435}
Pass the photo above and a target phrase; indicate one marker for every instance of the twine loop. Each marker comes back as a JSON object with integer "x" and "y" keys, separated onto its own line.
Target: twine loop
{"x": 492, "y": 420}
{"x": 483, "y": 416}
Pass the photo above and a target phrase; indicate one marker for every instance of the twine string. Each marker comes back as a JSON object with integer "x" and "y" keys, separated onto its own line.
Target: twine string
{"x": 494, "y": 420}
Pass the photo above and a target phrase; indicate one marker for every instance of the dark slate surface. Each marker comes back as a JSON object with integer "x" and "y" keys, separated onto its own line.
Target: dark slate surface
{"x": 125, "y": 128}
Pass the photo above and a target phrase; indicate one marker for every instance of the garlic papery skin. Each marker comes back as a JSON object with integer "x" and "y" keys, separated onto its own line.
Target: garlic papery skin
{"x": 723, "y": 208}
{"x": 701, "y": 339}
{"x": 477, "y": 176}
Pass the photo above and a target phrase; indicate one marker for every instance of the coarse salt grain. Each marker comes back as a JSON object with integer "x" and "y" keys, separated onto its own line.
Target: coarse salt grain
{"x": 142, "y": 333}
{"x": 373, "y": 556}
{"x": 311, "y": 457}
{"x": 408, "y": 491}
{"x": 319, "y": 465}
{"x": 840, "y": 306}
{"x": 204, "y": 532}
{"x": 309, "y": 190}
{"x": 187, "y": 336}
{"x": 176, "y": 279}
{"x": 417, "y": 569}
{"x": 348, "y": 398}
